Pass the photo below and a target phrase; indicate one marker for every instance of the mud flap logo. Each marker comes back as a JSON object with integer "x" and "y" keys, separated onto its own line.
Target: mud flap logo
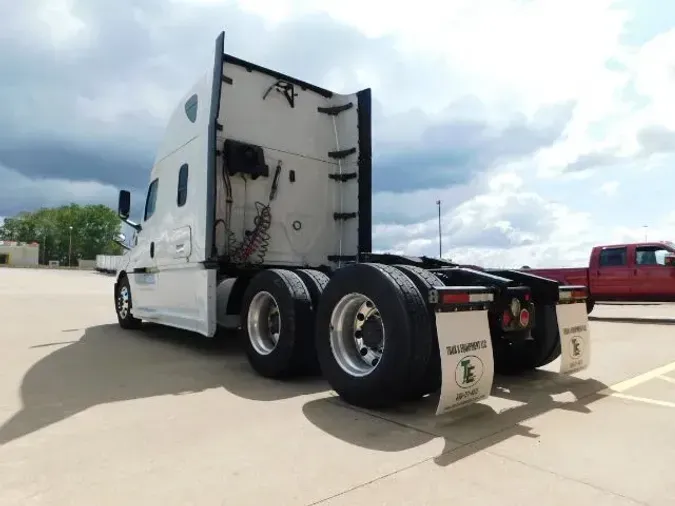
{"x": 575, "y": 343}
{"x": 469, "y": 371}
{"x": 576, "y": 350}
{"x": 466, "y": 358}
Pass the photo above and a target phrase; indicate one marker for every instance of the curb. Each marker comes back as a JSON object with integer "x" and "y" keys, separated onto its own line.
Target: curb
{"x": 648, "y": 320}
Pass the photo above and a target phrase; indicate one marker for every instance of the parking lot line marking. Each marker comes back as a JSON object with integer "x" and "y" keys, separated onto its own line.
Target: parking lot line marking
{"x": 667, "y": 378}
{"x": 646, "y": 400}
{"x": 638, "y": 380}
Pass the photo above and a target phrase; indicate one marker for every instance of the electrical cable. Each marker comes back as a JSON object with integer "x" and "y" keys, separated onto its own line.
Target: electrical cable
{"x": 257, "y": 241}
{"x": 253, "y": 248}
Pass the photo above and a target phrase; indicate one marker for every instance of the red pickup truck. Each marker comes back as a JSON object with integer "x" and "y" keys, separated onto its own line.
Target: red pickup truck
{"x": 623, "y": 272}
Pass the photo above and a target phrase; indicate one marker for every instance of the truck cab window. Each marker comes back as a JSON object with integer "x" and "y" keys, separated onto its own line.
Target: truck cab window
{"x": 191, "y": 108}
{"x": 613, "y": 257}
{"x": 182, "y": 185}
{"x": 650, "y": 255}
{"x": 151, "y": 200}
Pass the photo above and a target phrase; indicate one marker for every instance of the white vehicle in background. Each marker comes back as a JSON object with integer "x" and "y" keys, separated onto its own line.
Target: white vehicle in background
{"x": 108, "y": 263}
{"x": 258, "y": 218}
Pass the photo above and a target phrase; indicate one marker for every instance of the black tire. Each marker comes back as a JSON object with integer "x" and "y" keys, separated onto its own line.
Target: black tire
{"x": 315, "y": 282}
{"x": 541, "y": 348}
{"x": 123, "y": 304}
{"x": 431, "y": 380}
{"x": 548, "y": 334}
{"x": 590, "y": 304}
{"x": 288, "y": 356}
{"x": 407, "y": 340}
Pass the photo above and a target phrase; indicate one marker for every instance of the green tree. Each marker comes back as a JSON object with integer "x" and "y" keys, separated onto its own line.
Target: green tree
{"x": 93, "y": 227}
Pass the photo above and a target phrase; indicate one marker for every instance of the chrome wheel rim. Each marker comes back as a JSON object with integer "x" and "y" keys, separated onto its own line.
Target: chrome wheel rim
{"x": 263, "y": 323}
{"x": 123, "y": 302}
{"x": 357, "y": 336}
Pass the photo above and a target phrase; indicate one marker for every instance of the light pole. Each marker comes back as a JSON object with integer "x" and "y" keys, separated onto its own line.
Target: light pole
{"x": 70, "y": 244}
{"x": 645, "y": 227}
{"x": 440, "y": 237}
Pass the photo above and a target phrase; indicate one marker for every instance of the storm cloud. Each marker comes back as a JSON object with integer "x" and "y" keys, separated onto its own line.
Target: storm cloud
{"x": 454, "y": 151}
{"x": 87, "y": 96}
{"x": 651, "y": 140}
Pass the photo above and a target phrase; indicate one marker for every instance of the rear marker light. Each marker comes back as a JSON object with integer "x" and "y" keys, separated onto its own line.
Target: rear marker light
{"x": 506, "y": 319}
{"x": 465, "y": 298}
{"x": 515, "y": 306}
{"x": 524, "y": 317}
{"x": 573, "y": 295}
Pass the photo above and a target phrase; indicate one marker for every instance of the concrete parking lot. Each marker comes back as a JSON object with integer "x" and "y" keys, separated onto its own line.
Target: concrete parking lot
{"x": 93, "y": 415}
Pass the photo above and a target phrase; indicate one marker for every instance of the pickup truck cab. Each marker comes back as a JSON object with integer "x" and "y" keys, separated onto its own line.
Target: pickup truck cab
{"x": 635, "y": 272}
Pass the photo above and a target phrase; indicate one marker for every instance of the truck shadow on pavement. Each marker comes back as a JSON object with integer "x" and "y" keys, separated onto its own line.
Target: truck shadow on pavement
{"x": 108, "y": 364}
{"x": 469, "y": 430}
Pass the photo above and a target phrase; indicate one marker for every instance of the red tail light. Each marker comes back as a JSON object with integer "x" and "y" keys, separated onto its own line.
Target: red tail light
{"x": 455, "y": 298}
{"x": 524, "y": 318}
{"x": 466, "y": 298}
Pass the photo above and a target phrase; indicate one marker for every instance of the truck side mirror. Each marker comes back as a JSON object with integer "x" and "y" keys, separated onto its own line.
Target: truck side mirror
{"x": 124, "y": 209}
{"x": 669, "y": 260}
{"x": 124, "y": 204}
{"x": 121, "y": 239}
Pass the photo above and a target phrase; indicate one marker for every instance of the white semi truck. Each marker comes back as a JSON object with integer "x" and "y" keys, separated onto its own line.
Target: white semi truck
{"x": 258, "y": 219}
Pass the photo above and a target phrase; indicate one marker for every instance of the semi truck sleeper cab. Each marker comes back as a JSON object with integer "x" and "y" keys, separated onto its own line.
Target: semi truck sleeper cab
{"x": 258, "y": 218}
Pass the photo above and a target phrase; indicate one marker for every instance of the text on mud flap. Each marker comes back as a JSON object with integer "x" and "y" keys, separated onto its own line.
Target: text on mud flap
{"x": 575, "y": 330}
{"x": 456, "y": 349}
{"x": 469, "y": 394}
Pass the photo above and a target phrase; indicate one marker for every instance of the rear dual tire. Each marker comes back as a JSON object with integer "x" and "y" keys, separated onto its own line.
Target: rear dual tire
{"x": 369, "y": 329}
{"x": 278, "y": 314}
{"x": 425, "y": 281}
{"x": 372, "y": 338}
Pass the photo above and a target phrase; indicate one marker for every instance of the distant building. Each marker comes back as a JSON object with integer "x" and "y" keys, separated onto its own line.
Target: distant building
{"x": 21, "y": 254}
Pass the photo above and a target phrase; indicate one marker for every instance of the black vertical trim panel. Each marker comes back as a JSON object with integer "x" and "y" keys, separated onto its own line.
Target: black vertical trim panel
{"x": 365, "y": 171}
{"x": 211, "y": 250}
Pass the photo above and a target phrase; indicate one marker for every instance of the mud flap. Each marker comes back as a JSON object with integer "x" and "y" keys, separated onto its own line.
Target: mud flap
{"x": 575, "y": 342}
{"x": 467, "y": 363}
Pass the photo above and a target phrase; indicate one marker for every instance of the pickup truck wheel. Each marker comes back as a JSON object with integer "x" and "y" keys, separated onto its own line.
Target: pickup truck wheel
{"x": 123, "y": 305}
{"x": 315, "y": 282}
{"x": 431, "y": 380}
{"x": 540, "y": 348}
{"x": 276, "y": 323}
{"x": 372, "y": 337}
{"x": 590, "y": 304}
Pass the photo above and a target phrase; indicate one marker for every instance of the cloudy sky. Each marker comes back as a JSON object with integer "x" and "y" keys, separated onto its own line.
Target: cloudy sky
{"x": 543, "y": 126}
